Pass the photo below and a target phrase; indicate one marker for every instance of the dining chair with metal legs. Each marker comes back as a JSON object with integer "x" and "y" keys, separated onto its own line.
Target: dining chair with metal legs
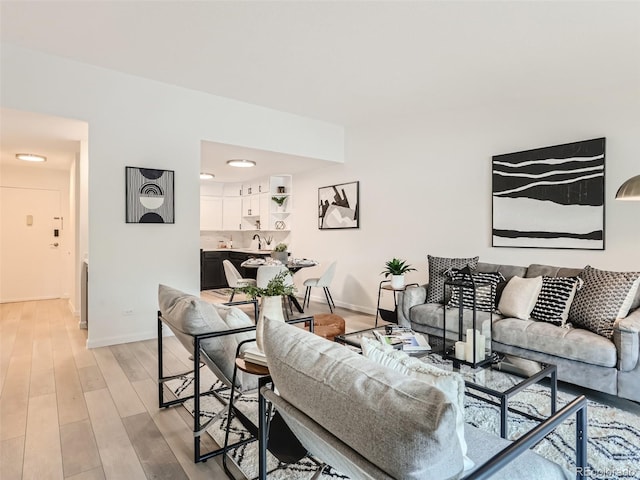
{"x": 324, "y": 281}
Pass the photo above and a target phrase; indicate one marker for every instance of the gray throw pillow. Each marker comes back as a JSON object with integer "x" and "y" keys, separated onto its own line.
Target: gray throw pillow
{"x": 437, "y": 268}
{"x": 188, "y": 315}
{"x": 604, "y": 297}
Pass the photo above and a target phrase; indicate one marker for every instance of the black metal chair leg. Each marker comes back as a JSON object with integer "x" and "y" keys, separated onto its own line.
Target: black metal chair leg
{"x": 331, "y": 298}
{"x": 228, "y": 427}
{"x": 307, "y": 297}
{"x": 233, "y": 292}
{"x": 326, "y": 294}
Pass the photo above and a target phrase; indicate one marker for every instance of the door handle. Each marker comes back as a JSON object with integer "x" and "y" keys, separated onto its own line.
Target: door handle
{"x": 54, "y": 244}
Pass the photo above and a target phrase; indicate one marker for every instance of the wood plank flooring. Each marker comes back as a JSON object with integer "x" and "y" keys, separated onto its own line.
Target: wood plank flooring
{"x": 67, "y": 412}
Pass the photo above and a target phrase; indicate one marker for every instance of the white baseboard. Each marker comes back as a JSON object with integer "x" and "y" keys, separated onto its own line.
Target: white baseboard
{"x": 26, "y": 299}
{"x": 118, "y": 339}
{"x": 348, "y": 306}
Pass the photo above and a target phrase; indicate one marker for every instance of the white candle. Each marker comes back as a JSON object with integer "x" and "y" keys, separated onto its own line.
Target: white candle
{"x": 480, "y": 345}
{"x": 468, "y": 351}
{"x": 460, "y": 350}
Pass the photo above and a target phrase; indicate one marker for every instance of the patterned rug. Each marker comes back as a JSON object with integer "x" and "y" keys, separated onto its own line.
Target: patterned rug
{"x": 613, "y": 450}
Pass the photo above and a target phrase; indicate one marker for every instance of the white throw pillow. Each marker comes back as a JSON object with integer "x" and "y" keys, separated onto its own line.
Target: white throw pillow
{"x": 450, "y": 383}
{"x": 519, "y": 297}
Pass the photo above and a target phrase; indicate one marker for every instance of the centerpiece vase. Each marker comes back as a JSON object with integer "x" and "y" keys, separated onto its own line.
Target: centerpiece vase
{"x": 269, "y": 307}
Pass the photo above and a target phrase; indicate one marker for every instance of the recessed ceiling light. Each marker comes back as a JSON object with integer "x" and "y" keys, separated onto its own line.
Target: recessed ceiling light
{"x": 31, "y": 157}
{"x": 206, "y": 176}
{"x": 242, "y": 163}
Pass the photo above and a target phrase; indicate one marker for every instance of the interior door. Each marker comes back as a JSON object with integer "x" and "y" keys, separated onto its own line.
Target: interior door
{"x": 31, "y": 261}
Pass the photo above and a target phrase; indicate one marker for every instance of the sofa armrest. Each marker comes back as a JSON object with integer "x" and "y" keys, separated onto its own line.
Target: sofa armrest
{"x": 415, "y": 295}
{"x": 578, "y": 407}
{"x": 626, "y": 337}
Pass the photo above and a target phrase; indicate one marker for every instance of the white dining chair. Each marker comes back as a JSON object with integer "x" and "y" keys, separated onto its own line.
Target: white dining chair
{"x": 266, "y": 273}
{"x": 234, "y": 279}
{"x": 324, "y": 281}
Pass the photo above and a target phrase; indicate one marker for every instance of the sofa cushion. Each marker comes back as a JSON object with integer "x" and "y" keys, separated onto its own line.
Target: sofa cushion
{"x": 485, "y": 294}
{"x": 571, "y": 343}
{"x": 437, "y": 267}
{"x": 529, "y": 465}
{"x": 555, "y": 299}
{"x": 519, "y": 297}
{"x": 451, "y": 383}
{"x": 604, "y": 297}
{"x": 188, "y": 315}
{"x": 404, "y": 427}
{"x": 431, "y": 315}
{"x": 537, "y": 270}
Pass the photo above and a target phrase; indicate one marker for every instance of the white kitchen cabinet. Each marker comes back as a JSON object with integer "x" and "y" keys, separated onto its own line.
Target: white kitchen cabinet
{"x": 210, "y": 213}
{"x": 232, "y": 189}
{"x": 232, "y": 213}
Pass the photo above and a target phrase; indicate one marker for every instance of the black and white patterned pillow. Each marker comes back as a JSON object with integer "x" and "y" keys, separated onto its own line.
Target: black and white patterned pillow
{"x": 485, "y": 294}
{"x": 604, "y": 297}
{"x": 437, "y": 267}
{"x": 555, "y": 299}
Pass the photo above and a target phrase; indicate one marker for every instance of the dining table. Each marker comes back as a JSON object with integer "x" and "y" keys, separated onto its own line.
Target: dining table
{"x": 294, "y": 265}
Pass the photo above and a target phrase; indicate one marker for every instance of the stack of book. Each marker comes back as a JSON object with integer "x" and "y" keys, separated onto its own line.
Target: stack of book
{"x": 404, "y": 339}
{"x": 253, "y": 355}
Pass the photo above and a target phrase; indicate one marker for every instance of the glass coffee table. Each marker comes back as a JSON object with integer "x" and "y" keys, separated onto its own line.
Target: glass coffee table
{"x": 496, "y": 383}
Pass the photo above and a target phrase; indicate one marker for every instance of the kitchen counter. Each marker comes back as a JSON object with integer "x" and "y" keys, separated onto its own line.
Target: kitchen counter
{"x": 251, "y": 251}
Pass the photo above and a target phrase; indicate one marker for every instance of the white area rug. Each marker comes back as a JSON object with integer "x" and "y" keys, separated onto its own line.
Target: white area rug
{"x": 613, "y": 450}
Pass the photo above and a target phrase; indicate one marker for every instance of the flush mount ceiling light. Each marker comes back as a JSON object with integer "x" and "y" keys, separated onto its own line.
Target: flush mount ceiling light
{"x": 206, "y": 176}
{"x": 241, "y": 162}
{"x": 629, "y": 190}
{"x": 30, "y": 157}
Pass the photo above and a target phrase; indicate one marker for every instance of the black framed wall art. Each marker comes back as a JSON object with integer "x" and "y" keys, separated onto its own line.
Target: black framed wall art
{"x": 551, "y": 197}
{"x": 338, "y": 206}
{"x": 149, "y": 196}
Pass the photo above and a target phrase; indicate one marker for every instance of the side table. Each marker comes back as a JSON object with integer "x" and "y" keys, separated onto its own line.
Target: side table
{"x": 391, "y": 315}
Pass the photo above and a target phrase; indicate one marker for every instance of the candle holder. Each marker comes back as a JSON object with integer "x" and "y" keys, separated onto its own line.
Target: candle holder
{"x": 473, "y": 346}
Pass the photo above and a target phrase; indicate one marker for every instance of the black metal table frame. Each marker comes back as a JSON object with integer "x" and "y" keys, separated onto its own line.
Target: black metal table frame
{"x": 395, "y": 300}
{"x": 548, "y": 370}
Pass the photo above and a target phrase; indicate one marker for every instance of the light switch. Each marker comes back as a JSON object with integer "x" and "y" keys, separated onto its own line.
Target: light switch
{"x": 29, "y": 220}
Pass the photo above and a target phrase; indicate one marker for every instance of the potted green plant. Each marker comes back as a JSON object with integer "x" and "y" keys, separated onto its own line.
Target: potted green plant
{"x": 280, "y": 253}
{"x": 396, "y": 268}
{"x": 279, "y": 201}
{"x": 270, "y": 300}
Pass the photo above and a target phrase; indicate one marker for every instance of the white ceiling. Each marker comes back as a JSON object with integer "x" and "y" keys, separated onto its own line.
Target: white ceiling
{"x": 56, "y": 138}
{"x": 350, "y": 62}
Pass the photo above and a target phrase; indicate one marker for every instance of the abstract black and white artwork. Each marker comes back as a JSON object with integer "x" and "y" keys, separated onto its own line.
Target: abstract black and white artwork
{"x": 338, "y": 206}
{"x": 149, "y": 195}
{"x": 550, "y": 197}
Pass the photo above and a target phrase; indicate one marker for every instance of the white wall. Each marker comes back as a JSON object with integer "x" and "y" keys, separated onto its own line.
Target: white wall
{"x": 425, "y": 188}
{"x": 137, "y": 122}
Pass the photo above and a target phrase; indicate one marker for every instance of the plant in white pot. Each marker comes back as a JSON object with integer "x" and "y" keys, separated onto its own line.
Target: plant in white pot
{"x": 396, "y": 268}
{"x": 280, "y": 253}
{"x": 271, "y": 300}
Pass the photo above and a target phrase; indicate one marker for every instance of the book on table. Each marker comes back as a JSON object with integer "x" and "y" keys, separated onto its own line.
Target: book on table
{"x": 405, "y": 339}
{"x": 253, "y": 355}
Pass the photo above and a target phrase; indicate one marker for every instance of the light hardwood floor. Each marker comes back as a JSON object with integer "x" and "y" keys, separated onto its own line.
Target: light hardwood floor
{"x": 73, "y": 413}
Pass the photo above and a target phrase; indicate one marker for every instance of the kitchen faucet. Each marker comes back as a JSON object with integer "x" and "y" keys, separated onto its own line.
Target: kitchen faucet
{"x": 259, "y": 240}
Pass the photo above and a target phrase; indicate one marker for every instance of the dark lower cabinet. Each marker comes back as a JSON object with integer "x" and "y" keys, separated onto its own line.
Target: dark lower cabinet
{"x": 212, "y": 271}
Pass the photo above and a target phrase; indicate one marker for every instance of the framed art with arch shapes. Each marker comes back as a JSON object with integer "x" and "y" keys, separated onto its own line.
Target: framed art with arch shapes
{"x": 149, "y": 196}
